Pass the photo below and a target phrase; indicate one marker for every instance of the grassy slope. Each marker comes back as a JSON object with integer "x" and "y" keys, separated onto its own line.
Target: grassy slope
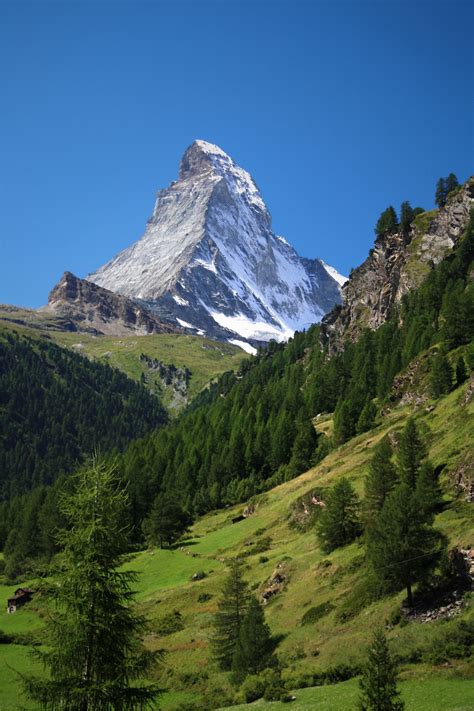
{"x": 206, "y": 359}
{"x": 165, "y": 581}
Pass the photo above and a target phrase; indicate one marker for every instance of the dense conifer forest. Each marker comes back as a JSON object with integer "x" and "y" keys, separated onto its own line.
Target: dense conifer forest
{"x": 57, "y": 406}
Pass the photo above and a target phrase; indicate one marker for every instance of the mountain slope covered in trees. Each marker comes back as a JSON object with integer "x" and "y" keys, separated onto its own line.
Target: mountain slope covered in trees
{"x": 57, "y": 406}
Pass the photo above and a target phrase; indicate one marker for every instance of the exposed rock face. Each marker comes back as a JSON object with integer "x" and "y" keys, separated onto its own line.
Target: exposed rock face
{"x": 92, "y": 308}
{"x": 396, "y": 264}
{"x": 209, "y": 259}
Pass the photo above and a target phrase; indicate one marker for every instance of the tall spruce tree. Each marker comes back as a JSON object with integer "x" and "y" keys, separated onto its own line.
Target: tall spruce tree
{"x": 451, "y": 183}
{"x": 339, "y": 522}
{"x": 427, "y": 491}
{"x": 231, "y": 610}
{"x": 378, "y": 683}
{"x": 440, "y": 192}
{"x": 403, "y": 548}
{"x": 381, "y": 479}
{"x": 411, "y": 453}
{"x": 406, "y": 216}
{"x": 94, "y": 650}
{"x": 253, "y": 651}
{"x": 387, "y": 222}
{"x": 166, "y": 522}
{"x": 441, "y": 374}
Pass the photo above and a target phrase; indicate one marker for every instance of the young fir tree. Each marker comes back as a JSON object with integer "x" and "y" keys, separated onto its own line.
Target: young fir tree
{"x": 231, "y": 610}
{"x": 253, "y": 651}
{"x": 461, "y": 371}
{"x": 411, "y": 453}
{"x": 451, "y": 183}
{"x": 403, "y": 548}
{"x": 339, "y": 522}
{"x": 367, "y": 417}
{"x": 387, "y": 222}
{"x": 94, "y": 650}
{"x": 406, "y": 216}
{"x": 441, "y": 375}
{"x": 378, "y": 683}
{"x": 427, "y": 491}
{"x": 166, "y": 522}
{"x": 381, "y": 479}
{"x": 440, "y": 193}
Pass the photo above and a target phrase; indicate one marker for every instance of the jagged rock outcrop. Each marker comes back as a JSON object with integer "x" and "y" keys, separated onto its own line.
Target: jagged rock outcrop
{"x": 209, "y": 260}
{"x": 397, "y": 263}
{"x": 94, "y": 309}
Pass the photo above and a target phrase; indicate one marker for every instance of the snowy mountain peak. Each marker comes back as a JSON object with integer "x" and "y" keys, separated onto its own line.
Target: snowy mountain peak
{"x": 210, "y": 260}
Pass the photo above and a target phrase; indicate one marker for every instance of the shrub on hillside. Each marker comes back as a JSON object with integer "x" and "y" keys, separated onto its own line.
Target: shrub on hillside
{"x": 316, "y": 613}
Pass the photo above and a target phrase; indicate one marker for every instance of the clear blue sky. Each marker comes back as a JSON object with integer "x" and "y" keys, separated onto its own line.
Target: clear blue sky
{"x": 338, "y": 109}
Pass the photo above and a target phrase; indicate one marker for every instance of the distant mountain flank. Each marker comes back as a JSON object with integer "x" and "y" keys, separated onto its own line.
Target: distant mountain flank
{"x": 210, "y": 262}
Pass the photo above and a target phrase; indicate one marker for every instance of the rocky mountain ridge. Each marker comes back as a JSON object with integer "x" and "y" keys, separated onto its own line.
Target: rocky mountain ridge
{"x": 397, "y": 263}
{"x": 210, "y": 262}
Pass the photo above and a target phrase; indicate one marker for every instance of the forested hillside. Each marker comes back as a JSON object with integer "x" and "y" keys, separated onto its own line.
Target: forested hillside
{"x": 57, "y": 406}
{"x": 251, "y": 432}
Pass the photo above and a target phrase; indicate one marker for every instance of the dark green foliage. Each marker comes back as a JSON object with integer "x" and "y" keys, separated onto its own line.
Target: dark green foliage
{"x": 57, "y": 407}
{"x": 387, "y": 222}
{"x": 402, "y": 547}
{"x": 440, "y": 192}
{"x": 427, "y": 491}
{"x": 381, "y": 479}
{"x": 303, "y": 450}
{"x": 166, "y": 522}
{"x": 406, "y": 216}
{"x": 367, "y": 417}
{"x": 169, "y": 624}
{"x": 254, "y": 648}
{"x": 378, "y": 683}
{"x": 316, "y": 613}
{"x": 231, "y": 610}
{"x": 443, "y": 187}
{"x": 94, "y": 647}
{"x": 451, "y": 183}
{"x": 461, "y": 371}
{"x": 441, "y": 374}
{"x": 411, "y": 453}
{"x": 339, "y": 522}
{"x": 455, "y": 643}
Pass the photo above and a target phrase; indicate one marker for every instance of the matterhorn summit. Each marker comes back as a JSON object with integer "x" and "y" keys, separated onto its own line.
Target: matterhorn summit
{"x": 210, "y": 262}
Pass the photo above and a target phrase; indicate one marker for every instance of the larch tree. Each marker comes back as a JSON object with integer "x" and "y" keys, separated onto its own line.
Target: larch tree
{"x": 378, "y": 683}
{"x": 381, "y": 479}
{"x": 411, "y": 453}
{"x": 253, "y": 651}
{"x": 231, "y": 611}
{"x": 94, "y": 652}
{"x": 339, "y": 522}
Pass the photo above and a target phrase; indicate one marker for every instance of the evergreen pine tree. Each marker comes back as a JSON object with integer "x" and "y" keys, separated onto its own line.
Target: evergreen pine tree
{"x": 94, "y": 647}
{"x": 411, "y": 452}
{"x": 461, "y": 371}
{"x": 166, "y": 522}
{"x": 231, "y": 610}
{"x": 253, "y": 651}
{"x": 440, "y": 193}
{"x": 380, "y": 481}
{"x": 367, "y": 417}
{"x": 427, "y": 491}
{"x": 441, "y": 375}
{"x": 387, "y": 222}
{"x": 403, "y": 548}
{"x": 378, "y": 683}
{"x": 303, "y": 447}
{"x": 344, "y": 424}
{"x": 406, "y": 216}
{"x": 339, "y": 522}
{"x": 451, "y": 183}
